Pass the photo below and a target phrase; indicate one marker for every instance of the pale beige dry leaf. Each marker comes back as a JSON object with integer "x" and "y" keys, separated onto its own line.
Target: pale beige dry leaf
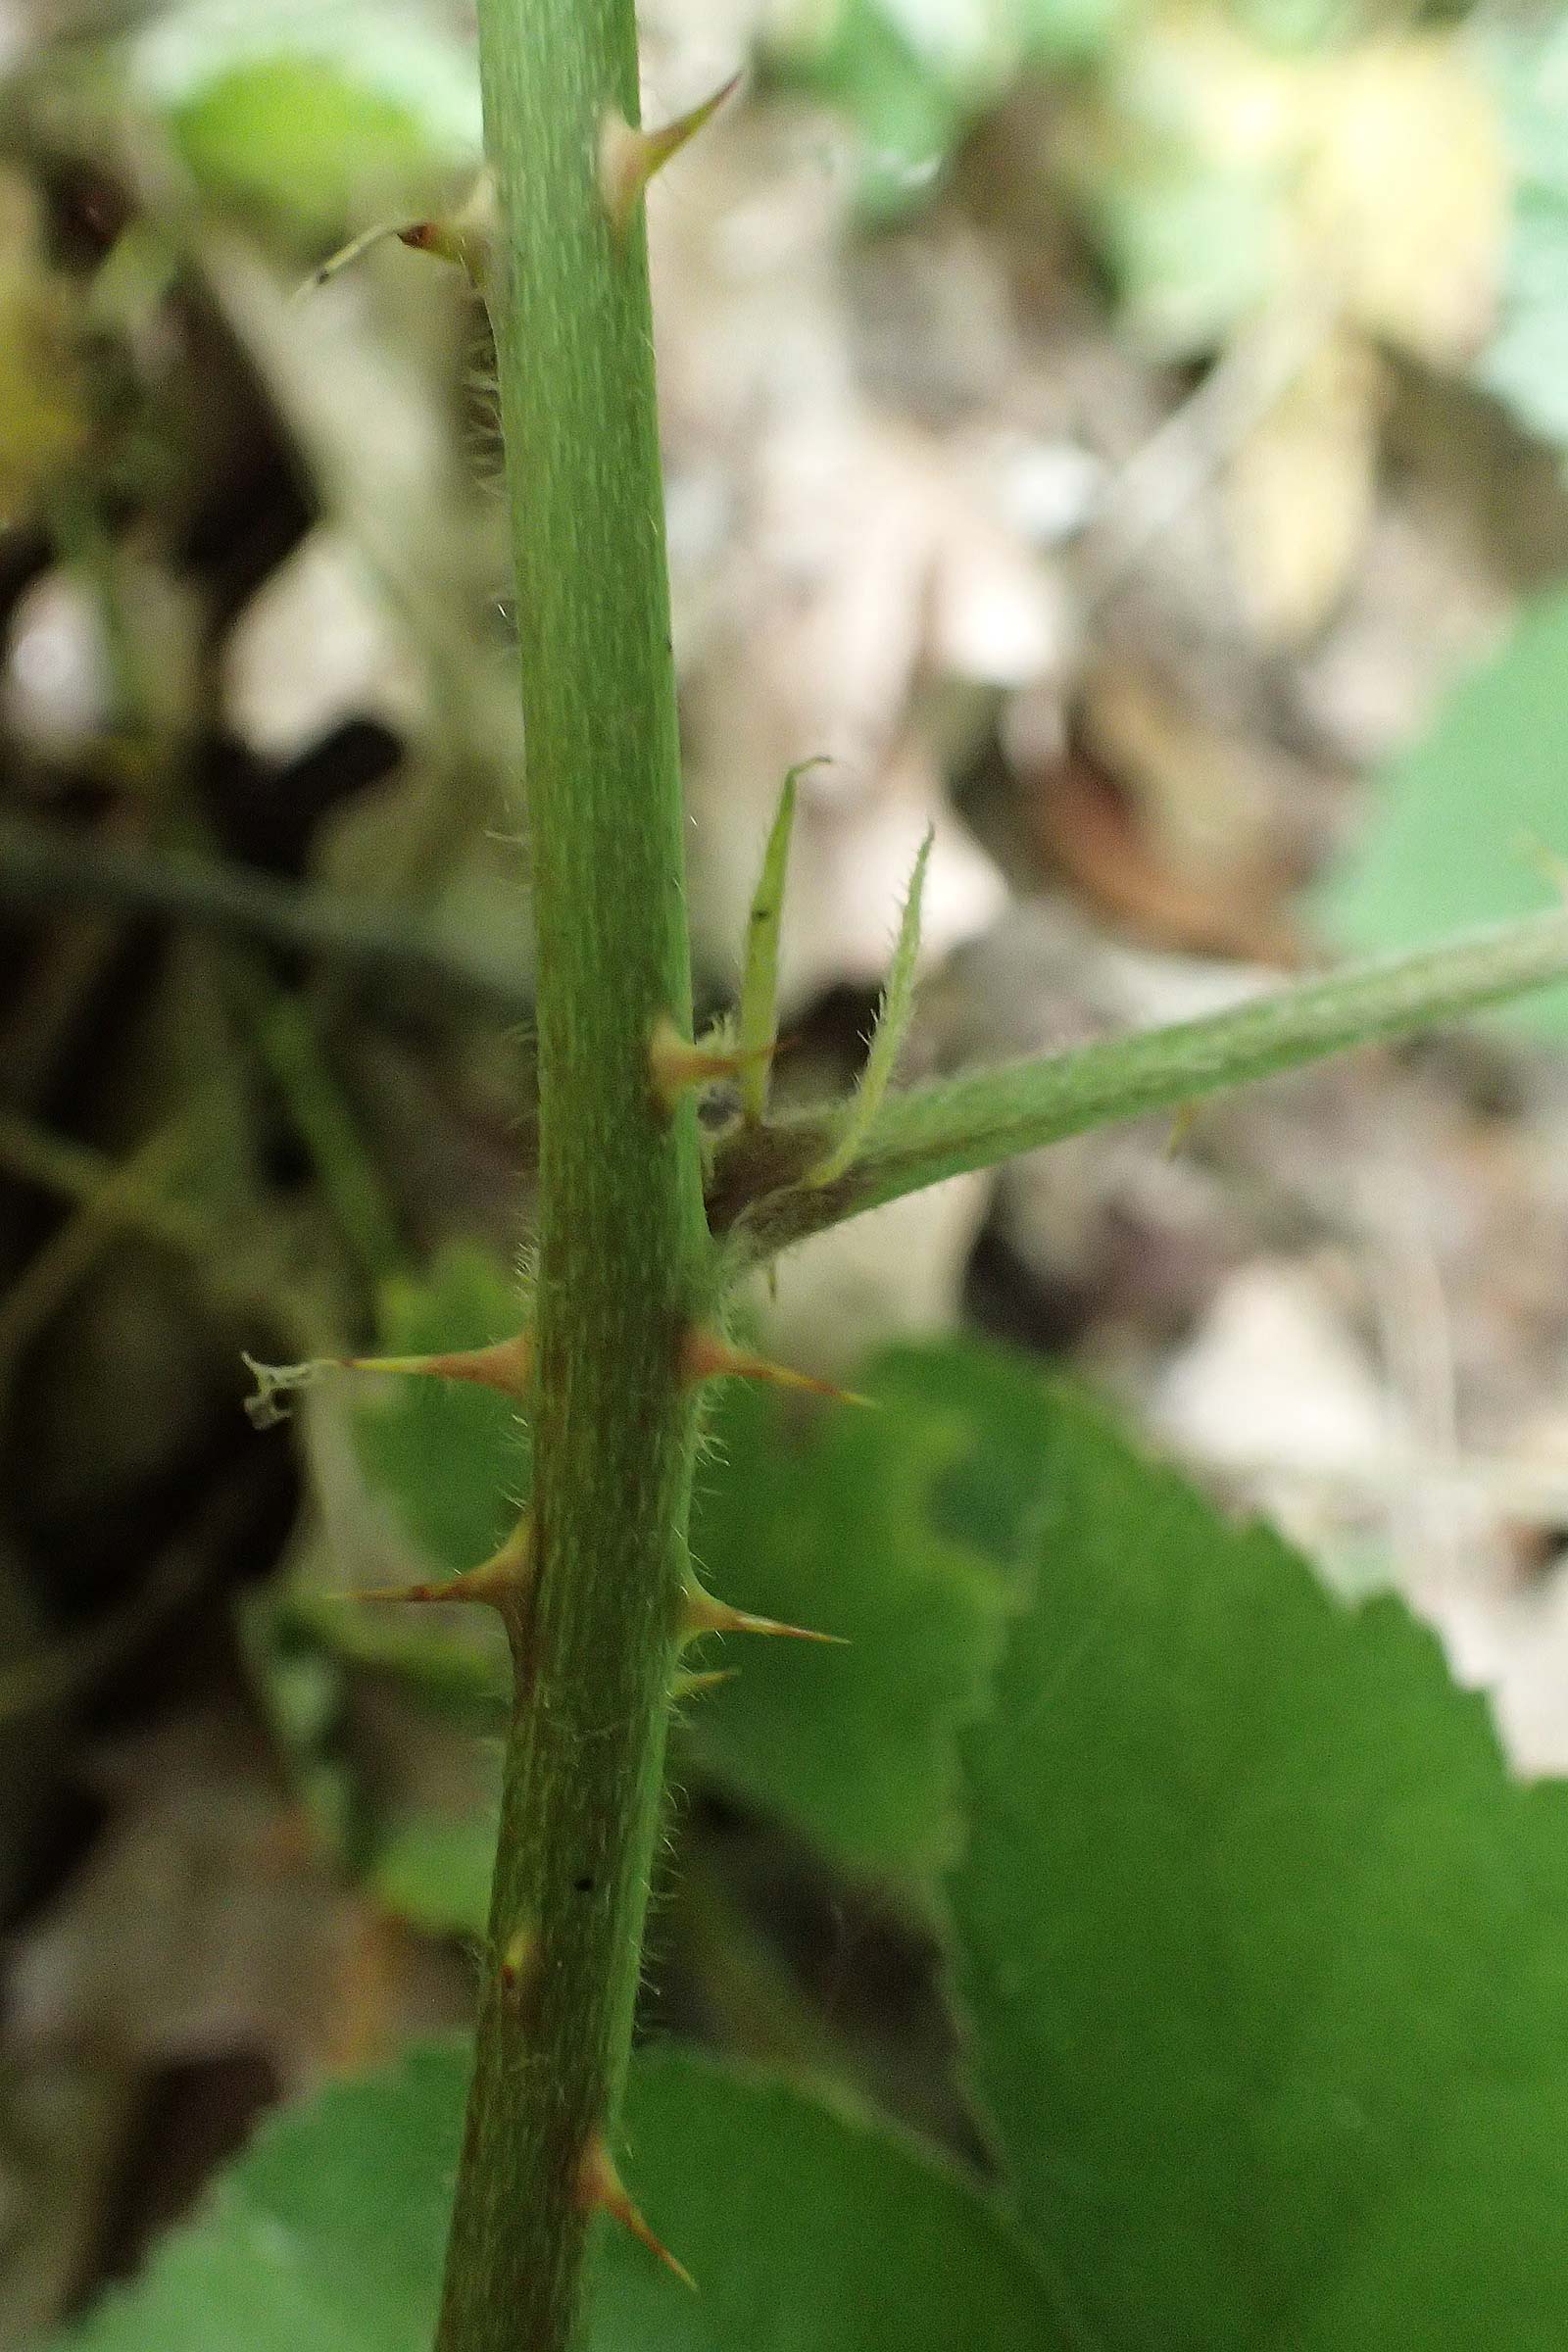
{"x": 866, "y": 578}
{"x": 1406, "y": 191}
{"x": 199, "y": 1924}
{"x": 1204, "y": 792}
{"x": 1298, "y": 491}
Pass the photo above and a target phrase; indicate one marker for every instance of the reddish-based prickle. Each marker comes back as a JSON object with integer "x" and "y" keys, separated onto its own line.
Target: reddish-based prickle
{"x": 602, "y": 2189}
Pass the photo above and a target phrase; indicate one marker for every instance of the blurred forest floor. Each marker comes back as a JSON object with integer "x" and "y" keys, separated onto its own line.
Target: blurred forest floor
{"x": 1103, "y": 434}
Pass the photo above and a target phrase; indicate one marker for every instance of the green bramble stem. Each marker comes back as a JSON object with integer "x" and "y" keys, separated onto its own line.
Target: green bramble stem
{"x": 622, "y": 1245}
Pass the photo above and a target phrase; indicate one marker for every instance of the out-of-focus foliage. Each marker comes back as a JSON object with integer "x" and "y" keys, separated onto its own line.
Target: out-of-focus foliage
{"x": 46, "y": 400}
{"x": 1307, "y": 190}
{"x": 316, "y": 112}
{"x": 913, "y": 74}
{"x": 1527, "y": 363}
{"x": 329, "y": 2234}
{"x": 407, "y": 1476}
{"x": 452, "y": 1522}
{"x": 1471, "y": 824}
{"x": 1361, "y": 184}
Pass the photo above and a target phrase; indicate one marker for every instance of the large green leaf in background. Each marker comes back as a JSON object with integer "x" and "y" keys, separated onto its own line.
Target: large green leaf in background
{"x": 902, "y": 1529}
{"x": 1265, "y": 1955}
{"x": 1455, "y": 829}
{"x": 808, "y": 2228}
{"x": 325, "y": 2236}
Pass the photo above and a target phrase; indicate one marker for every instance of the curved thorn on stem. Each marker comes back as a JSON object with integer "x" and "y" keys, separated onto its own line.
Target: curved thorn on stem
{"x": 707, "y": 1356}
{"x": 700, "y": 1613}
{"x": 677, "y": 1065}
{"x": 628, "y": 158}
{"x": 601, "y": 2190}
{"x": 498, "y": 1583}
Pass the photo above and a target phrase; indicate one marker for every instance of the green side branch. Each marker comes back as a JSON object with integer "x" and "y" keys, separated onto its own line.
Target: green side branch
{"x": 765, "y": 1197}
{"x": 622, "y": 1245}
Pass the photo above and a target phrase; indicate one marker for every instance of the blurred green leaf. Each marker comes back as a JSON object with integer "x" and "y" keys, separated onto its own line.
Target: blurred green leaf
{"x": 900, "y": 1529}
{"x": 434, "y": 1868}
{"x": 326, "y": 2236}
{"x": 289, "y": 133}
{"x": 322, "y": 113}
{"x": 907, "y": 115}
{"x": 808, "y": 2229}
{"x": 1457, "y": 826}
{"x": 1526, "y": 364}
{"x": 1179, "y": 158}
{"x": 1192, "y": 247}
{"x": 301, "y": 1690}
{"x": 912, "y": 76}
{"x": 450, "y": 1461}
{"x": 1264, "y": 1953}
{"x": 400, "y": 1772}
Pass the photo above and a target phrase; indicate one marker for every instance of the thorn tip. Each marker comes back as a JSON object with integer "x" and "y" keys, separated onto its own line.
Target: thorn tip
{"x": 702, "y": 1613}
{"x": 707, "y": 1356}
{"x": 498, "y": 1583}
{"x": 629, "y": 158}
{"x": 601, "y": 2188}
{"x": 506, "y": 1367}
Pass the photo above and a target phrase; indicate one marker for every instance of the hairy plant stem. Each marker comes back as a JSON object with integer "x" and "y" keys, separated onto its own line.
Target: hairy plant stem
{"x": 762, "y": 1201}
{"x": 623, "y": 1242}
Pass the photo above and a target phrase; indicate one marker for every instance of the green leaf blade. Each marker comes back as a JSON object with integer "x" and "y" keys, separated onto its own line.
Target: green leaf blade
{"x": 326, "y": 2235}
{"x": 1460, "y": 826}
{"x": 902, "y": 1530}
{"x": 313, "y": 113}
{"x": 1253, "y": 1926}
{"x": 809, "y": 2228}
